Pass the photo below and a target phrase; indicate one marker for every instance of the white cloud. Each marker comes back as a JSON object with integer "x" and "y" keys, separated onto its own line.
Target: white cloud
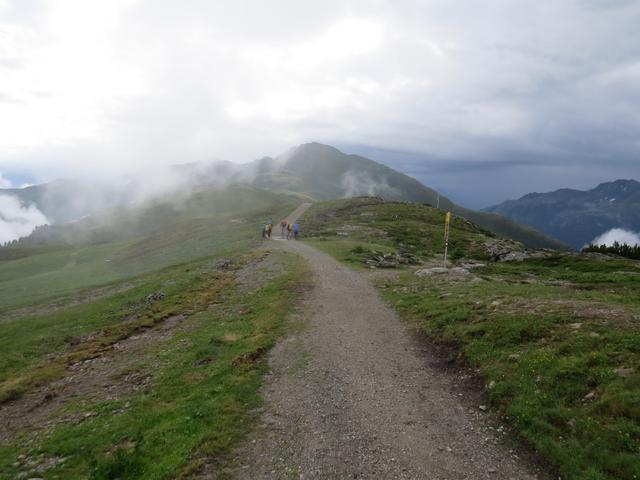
{"x": 617, "y": 235}
{"x": 17, "y": 220}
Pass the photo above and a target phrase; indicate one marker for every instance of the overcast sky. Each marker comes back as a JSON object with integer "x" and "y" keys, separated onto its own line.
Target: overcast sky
{"x": 486, "y": 99}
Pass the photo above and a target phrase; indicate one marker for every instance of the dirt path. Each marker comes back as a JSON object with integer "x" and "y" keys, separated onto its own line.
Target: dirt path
{"x": 356, "y": 396}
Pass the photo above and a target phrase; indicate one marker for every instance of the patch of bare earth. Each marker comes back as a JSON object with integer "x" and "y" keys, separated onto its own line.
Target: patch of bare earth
{"x": 600, "y": 313}
{"x": 256, "y": 273}
{"x": 122, "y": 369}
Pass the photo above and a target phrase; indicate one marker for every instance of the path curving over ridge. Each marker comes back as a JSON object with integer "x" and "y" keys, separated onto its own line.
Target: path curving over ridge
{"x": 354, "y": 395}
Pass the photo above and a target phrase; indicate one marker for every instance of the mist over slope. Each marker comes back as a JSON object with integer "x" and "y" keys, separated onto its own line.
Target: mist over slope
{"x": 315, "y": 170}
{"x": 70, "y": 200}
{"x": 124, "y": 242}
{"x": 578, "y": 217}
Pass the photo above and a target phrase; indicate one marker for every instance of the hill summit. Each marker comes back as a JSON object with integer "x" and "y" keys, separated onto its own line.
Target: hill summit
{"x": 324, "y": 172}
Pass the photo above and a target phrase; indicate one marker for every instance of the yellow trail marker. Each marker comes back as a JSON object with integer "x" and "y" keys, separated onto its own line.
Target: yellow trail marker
{"x": 447, "y": 221}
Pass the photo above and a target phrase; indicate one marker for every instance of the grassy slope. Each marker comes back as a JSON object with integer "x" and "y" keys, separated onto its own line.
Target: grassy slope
{"x": 547, "y": 334}
{"x": 196, "y": 406}
{"x": 131, "y": 242}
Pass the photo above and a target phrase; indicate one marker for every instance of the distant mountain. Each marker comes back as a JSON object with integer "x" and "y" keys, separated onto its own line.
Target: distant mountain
{"x": 324, "y": 172}
{"x": 575, "y": 216}
{"x": 314, "y": 170}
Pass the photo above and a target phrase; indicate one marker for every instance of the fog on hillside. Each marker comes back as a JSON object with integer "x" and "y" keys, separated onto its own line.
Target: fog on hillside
{"x": 618, "y": 235}
{"x": 18, "y": 220}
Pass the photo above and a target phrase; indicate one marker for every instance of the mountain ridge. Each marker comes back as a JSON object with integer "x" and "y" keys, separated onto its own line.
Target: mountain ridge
{"x": 578, "y": 216}
{"x": 315, "y": 170}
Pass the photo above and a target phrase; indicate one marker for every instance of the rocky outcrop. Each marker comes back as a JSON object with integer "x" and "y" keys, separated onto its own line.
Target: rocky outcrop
{"x": 435, "y": 271}
{"x": 392, "y": 260}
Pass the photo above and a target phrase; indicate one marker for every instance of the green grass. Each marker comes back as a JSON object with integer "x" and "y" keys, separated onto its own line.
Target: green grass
{"x": 205, "y": 378}
{"x": 547, "y": 334}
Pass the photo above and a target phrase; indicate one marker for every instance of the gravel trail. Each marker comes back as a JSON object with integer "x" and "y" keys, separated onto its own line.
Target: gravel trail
{"x": 354, "y": 395}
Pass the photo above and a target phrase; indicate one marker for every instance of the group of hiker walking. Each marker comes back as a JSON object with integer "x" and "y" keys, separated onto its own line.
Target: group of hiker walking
{"x": 287, "y": 230}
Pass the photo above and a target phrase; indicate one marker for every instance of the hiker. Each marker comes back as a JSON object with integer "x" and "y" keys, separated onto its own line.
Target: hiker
{"x": 296, "y": 229}
{"x": 283, "y": 227}
{"x": 269, "y": 227}
{"x": 289, "y": 230}
{"x": 264, "y": 230}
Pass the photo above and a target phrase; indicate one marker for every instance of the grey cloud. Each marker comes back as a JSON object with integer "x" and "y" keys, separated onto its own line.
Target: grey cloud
{"x": 486, "y": 100}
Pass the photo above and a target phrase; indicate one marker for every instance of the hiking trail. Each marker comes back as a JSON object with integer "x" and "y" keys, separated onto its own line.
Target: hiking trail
{"x": 353, "y": 394}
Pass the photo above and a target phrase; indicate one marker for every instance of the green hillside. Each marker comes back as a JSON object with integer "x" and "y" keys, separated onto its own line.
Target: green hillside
{"x": 133, "y": 343}
{"x": 313, "y": 170}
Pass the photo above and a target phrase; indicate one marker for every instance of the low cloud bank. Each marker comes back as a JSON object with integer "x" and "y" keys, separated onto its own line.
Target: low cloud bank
{"x": 17, "y": 220}
{"x": 617, "y": 235}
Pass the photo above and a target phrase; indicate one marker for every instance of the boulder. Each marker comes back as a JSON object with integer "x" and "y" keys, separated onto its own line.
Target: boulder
{"x": 391, "y": 260}
{"x": 624, "y": 372}
{"x": 470, "y": 264}
{"x": 154, "y": 297}
{"x": 514, "y": 256}
{"x": 429, "y": 272}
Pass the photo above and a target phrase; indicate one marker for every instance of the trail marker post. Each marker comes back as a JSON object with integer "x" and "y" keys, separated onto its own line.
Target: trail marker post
{"x": 447, "y": 221}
